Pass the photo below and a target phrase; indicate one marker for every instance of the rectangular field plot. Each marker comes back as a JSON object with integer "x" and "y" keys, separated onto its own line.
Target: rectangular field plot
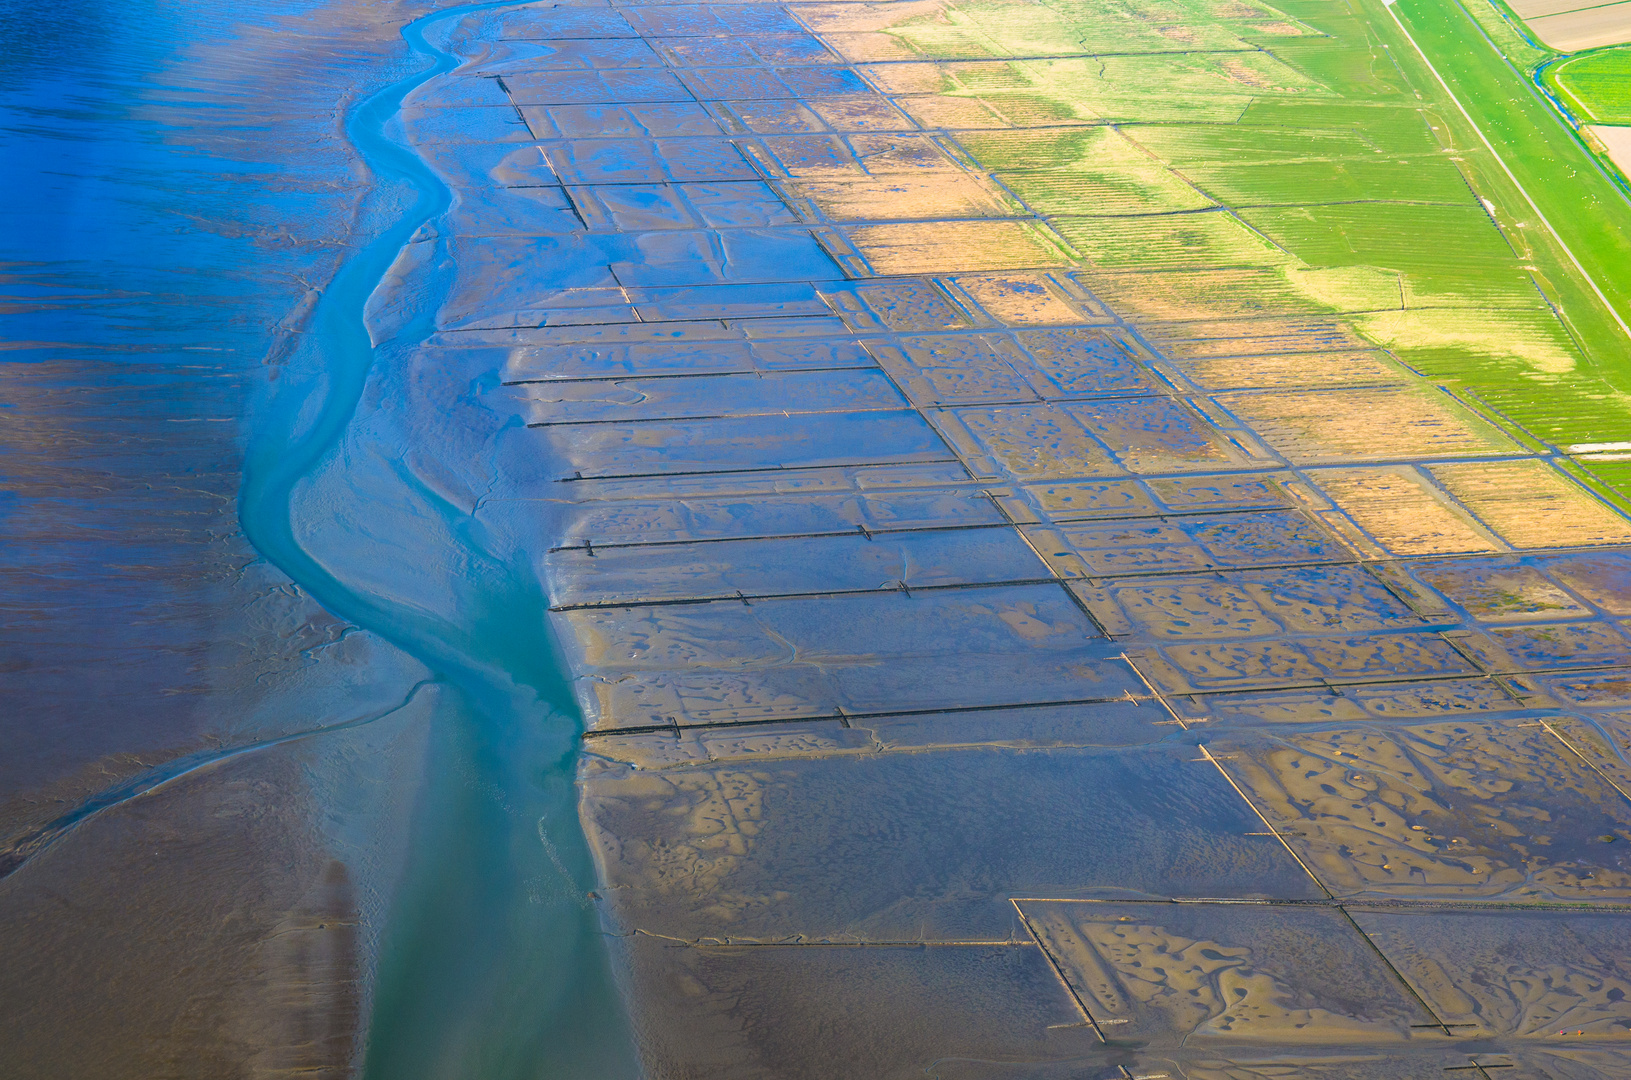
{"x": 949, "y": 247}
{"x": 613, "y": 522}
{"x": 1532, "y": 505}
{"x": 743, "y": 442}
{"x": 1291, "y": 371}
{"x": 1263, "y": 603}
{"x": 879, "y": 1012}
{"x": 1603, "y": 579}
{"x": 759, "y": 394}
{"x": 1502, "y": 591}
{"x": 788, "y": 566}
{"x": 1214, "y": 541}
{"x": 1366, "y": 425}
{"x": 1523, "y": 973}
{"x": 731, "y": 661}
{"x": 1085, "y": 500}
{"x": 1028, "y": 299}
{"x": 1303, "y": 662}
{"x": 1203, "y": 293}
{"x": 1403, "y": 512}
{"x": 1167, "y": 241}
{"x": 1465, "y": 808}
{"x": 919, "y": 846}
{"x": 1181, "y": 974}
{"x": 1333, "y": 181}
{"x": 1151, "y": 435}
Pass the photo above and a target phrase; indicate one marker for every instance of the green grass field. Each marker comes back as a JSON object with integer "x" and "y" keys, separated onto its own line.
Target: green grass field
{"x": 1434, "y": 199}
{"x": 1596, "y": 85}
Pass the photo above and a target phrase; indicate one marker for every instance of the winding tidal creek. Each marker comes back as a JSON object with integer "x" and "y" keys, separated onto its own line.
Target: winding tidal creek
{"x": 985, "y": 540}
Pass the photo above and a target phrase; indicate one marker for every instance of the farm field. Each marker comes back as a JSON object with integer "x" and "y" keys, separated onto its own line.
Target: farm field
{"x": 1321, "y": 164}
{"x": 1596, "y": 85}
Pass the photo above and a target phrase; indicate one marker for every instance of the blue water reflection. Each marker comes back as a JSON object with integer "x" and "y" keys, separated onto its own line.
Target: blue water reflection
{"x": 178, "y": 190}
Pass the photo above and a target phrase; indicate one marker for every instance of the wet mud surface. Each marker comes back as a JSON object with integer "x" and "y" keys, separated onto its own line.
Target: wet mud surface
{"x": 1056, "y": 577}
{"x": 1003, "y": 652}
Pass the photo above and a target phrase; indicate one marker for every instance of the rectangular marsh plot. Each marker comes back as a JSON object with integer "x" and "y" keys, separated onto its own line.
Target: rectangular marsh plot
{"x": 1085, "y": 500}
{"x": 1560, "y": 645}
{"x": 1501, "y": 591}
{"x": 1184, "y": 974}
{"x": 1291, "y": 371}
{"x": 1439, "y": 698}
{"x": 1226, "y": 492}
{"x": 1516, "y": 972}
{"x": 1301, "y": 661}
{"x": 904, "y": 198}
{"x": 1326, "y": 599}
{"x": 884, "y": 1013}
{"x": 758, "y": 300}
{"x": 688, "y": 517}
{"x": 679, "y": 349}
{"x": 1157, "y": 435}
{"x": 1023, "y": 299}
{"x": 650, "y": 161}
{"x": 777, "y": 567}
{"x": 953, "y": 246}
{"x": 1366, "y": 425}
{"x": 1085, "y": 363}
{"x": 592, "y": 87}
{"x": 744, "y": 442}
{"x": 1603, "y": 578}
{"x": 759, "y": 394}
{"x": 895, "y": 305}
{"x": 1532, "y": 505}
{"x": 1191, "y": 608}
{"x": 570, "y": 54}
{"x": 1112, "y": 724}
{"x": 730, "y": 661}
{"x": 1212, "y": 541}
{"x": 956, "y": 369}
{"x": 1467, "y": 807}
{"x": 921, "y": 845}
{"x": 1027, "y": 442}
{"x": 754, "y": 484}
{"x": 1403, "y": 512}
{"x": 647, "y": 120}
{"x": 531, "y": 23}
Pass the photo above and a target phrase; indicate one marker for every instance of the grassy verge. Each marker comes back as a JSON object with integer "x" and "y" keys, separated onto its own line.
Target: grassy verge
{"x": 1548, "y": 172}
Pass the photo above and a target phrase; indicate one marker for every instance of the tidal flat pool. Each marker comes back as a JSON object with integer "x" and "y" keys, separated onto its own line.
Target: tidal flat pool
{"x": 853, "y": 539}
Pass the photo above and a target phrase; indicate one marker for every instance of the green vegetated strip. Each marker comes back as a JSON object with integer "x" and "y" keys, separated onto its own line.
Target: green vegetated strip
{"x": 1596, "y": 85}
{"x": 1584, "y": 207}
{"x": 1585, "y": 210}
{"x": 1329, "y": 172}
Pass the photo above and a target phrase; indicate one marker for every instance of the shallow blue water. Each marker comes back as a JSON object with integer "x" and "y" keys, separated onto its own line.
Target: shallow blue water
{"x": 172, "y": 189}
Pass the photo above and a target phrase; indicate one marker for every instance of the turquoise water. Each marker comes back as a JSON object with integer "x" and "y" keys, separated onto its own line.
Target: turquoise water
{"x": 142, "y": 188}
